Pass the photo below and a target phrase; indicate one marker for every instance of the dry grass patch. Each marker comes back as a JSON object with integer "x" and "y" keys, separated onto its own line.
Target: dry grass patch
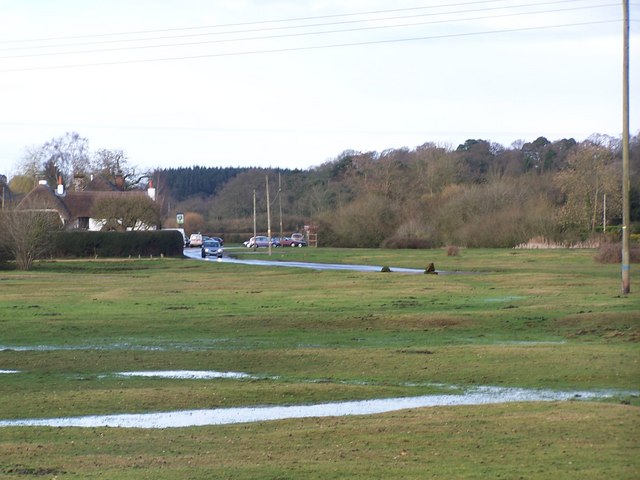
{"x": 608, "y": 325}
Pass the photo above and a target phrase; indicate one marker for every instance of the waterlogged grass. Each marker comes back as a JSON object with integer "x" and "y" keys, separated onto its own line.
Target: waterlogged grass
{"x": 534, "y": 319}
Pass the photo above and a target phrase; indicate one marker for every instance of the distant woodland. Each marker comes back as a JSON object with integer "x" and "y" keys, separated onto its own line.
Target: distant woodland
{"x": 479, "y": 194}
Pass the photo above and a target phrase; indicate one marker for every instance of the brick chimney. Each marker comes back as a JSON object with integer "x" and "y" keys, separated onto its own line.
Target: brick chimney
{"x": 60, "y": 189}
{"x": 151, "y": 191}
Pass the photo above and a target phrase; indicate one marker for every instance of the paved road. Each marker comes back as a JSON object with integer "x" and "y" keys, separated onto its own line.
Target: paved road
{"x": 195, "y": 254}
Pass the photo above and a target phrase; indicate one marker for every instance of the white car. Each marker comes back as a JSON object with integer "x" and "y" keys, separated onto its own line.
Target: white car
{"x": 195, "y": 240}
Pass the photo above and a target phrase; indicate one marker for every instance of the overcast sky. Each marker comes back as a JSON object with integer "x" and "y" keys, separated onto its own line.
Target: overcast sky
{"x": 293, "y": 83}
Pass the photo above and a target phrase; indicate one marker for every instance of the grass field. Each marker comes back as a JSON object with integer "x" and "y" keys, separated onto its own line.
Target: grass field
{"x": 550, "y": 319}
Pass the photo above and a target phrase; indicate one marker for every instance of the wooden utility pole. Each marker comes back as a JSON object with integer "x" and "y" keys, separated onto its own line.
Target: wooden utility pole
{"x": 268, "y": 216}
{"x": 255, "y": 231}
{"x": 604, "y": 213}
{"x": 280, "y": 202}
{"x": 626, "y": 280}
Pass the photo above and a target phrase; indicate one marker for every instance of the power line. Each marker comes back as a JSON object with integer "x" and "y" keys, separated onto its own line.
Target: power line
{"x": 261, "y": 22}
{"x": 300, "y": 34}
{"x": 303, "y": 48}
{"x": 289, "y": 27}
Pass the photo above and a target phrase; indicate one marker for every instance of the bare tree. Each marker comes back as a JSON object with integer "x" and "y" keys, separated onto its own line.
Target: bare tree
{"x": 112, "y": 164}
{"x": 64, "y": 156}
{"x": 26, "y": 234}
{"x": 591, "y": 173}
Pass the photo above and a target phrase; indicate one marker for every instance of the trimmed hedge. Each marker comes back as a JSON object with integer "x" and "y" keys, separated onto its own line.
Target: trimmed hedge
{"x": 81, "y": 244}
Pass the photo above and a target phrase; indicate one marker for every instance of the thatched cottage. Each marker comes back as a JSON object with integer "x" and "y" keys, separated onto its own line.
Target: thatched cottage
{"x": 76, "y": 209}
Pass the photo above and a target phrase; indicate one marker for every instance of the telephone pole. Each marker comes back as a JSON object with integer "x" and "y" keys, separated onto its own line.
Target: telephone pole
{"x": 280, "y": 202}
{"x": 268, "y": 215}
{"x": 255, "y": 230}
{"x": 626, "y": 280}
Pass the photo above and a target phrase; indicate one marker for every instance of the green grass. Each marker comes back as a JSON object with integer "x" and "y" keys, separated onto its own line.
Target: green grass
{"x": 537, "y": 319}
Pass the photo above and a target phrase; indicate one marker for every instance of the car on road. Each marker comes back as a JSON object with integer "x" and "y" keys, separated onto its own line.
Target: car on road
{"x": 260, "y": 241}
{"x": 291, "y": 242}
{"x": 211, "y": 248}
{"x": 196, "y": 239}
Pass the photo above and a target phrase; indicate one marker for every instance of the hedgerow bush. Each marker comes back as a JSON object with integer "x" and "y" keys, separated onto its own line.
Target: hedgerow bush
{"x": 82, "y": 244}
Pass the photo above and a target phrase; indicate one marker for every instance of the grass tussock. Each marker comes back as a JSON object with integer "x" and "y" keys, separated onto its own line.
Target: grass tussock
{"x": 453, "y": 251}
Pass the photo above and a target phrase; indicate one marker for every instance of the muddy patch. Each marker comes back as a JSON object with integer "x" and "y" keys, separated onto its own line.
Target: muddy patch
{"x": 600, "y": 325}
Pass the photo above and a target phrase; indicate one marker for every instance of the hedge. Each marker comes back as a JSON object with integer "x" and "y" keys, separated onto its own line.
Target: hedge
{"x": 82, "y": 244}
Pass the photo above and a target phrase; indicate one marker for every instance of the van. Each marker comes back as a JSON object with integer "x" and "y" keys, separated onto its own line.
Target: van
{"x": 195, "y": 240}
{"x": 185, "y": 240}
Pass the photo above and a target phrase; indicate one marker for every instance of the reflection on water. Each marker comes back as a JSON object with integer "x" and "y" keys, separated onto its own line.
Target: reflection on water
{"x": 222, "y": 416}
{"x": 187, "y": 374}
{"x": 53, "y": 348}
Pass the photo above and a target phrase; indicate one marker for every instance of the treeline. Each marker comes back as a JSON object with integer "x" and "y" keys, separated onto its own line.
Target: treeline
{"x": 184, "y": 182}
{"x": 479, "y": 194}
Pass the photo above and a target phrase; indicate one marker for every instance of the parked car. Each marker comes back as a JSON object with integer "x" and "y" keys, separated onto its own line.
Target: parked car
{"x": 195, "y": 240}
{"x": 291, "y": 242}
{"x": 218, "y": 239}
{"x": 260, "y": 241}
{"x": 211, "y": 248}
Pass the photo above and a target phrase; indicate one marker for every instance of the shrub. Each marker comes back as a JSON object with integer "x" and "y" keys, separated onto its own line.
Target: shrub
{"x": 24, "y": 235}
{"x": 612, "y": 253}
{"x": 452, "y": 251}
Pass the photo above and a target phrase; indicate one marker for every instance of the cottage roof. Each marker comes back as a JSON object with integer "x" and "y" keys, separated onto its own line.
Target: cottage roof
{"x": 99, "y": 183}
{"x": 43, "y": 198}
{"x": 82, "y": 204}
{"x": 72, "y": 205}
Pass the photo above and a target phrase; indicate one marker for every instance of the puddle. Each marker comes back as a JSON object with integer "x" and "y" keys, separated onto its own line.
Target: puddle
{"x": 187, "y": 374}
{"x": 9, "y": 371}
{"x": 508, "y": 298}
{"x": 225, "y": 416}
{"x": 53, "y": 348}
{"x": 169, "y": 346}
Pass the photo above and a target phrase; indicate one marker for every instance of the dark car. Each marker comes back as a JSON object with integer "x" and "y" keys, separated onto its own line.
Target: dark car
{"x": 211, "y": 248}
{"x": 293, "y": 242}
